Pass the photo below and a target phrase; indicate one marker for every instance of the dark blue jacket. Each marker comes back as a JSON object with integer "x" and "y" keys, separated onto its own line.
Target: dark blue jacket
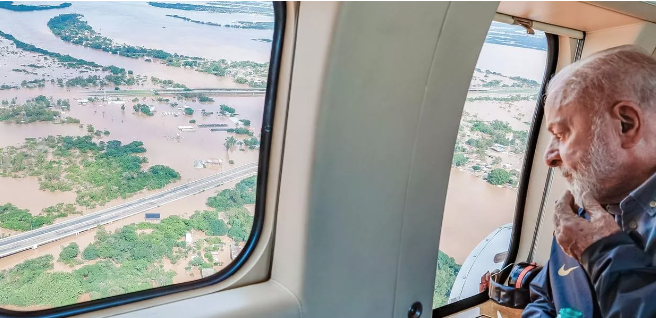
{"x": 562, "y": 283}
{"x": 621, "y": 267}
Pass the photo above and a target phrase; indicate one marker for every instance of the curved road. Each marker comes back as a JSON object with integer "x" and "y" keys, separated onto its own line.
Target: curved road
{"x": 40, "y": 236}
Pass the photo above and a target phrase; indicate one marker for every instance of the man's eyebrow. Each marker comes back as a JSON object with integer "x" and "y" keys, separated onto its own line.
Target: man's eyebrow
{"x": 558, "y": 122}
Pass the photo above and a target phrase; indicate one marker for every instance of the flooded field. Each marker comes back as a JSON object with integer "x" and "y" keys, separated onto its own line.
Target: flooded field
{"x": 525, "y": 62}
{"x": 140, "y": 24}
{"x": 169, "y": 123}
{"x": 183, "y": 208}
{"x": 469, "y": 216}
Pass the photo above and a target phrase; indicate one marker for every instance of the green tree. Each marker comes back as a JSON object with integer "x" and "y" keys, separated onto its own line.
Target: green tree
{"x": 241, "y": 223}
{"x": 459, "y": 159}
{"x": 225, "y": 109}
{"x": 230, "y": 142}
{"x": 189, "y": 111}
{"x": 447, "y": 271}
{"x": 205, "y": 99}
{"x": 498, "y": 177}
{"x": 69, "y": 253}
{"x": 217, "y": 227}
{"x": 193, "y": 121}
{"x": 90, "y": 253}
{"x": 90, "y": 129}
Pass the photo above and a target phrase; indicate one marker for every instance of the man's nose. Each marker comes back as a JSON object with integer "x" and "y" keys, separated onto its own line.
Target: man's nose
{"x": 552, "y": 157}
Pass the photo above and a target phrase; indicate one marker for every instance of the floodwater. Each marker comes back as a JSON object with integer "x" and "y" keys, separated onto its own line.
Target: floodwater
{"x": 518, "y": 61}
{"x": 473, "y": 209}
{"x": 139, "y": 24}
{"x": 142, "y": 25}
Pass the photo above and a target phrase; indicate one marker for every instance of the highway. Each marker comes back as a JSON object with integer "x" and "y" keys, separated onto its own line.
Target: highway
{"x": 32, "y": 239}
{"x": 169, "y": 91}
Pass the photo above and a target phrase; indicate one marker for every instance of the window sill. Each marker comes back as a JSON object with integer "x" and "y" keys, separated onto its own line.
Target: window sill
{"x": 269, "y": 299}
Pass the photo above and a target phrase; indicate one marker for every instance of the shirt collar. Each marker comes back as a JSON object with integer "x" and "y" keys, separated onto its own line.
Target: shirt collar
{"x": 643, "y": 197}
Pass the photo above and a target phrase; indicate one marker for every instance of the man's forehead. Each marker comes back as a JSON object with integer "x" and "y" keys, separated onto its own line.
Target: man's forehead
{"x": 552, "y": 106}
{"x": 558, "y": 114}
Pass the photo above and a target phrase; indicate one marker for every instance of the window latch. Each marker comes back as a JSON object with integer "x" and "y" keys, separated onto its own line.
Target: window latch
{"x": 526, "y": 23}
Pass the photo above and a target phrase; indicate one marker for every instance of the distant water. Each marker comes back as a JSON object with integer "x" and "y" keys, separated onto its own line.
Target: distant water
{"x": 515, "y": 35}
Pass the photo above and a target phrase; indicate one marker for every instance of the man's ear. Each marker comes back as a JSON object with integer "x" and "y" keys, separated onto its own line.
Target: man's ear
{"x": 630, "y": 118}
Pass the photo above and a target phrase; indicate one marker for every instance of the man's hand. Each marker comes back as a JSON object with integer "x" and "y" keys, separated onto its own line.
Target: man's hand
{"x": 575, "y": 234}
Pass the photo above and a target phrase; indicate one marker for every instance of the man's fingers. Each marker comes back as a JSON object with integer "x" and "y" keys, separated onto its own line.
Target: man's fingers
{"x": 563, "y": 208}
{"x": 567, "y": 197}
{"x": 592, "y": 206}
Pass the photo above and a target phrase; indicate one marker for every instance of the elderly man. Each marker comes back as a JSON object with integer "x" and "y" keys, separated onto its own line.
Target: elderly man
{"x": 601, "y": 112}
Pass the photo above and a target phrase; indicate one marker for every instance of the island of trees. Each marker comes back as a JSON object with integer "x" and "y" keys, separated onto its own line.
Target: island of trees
{"x": 98, "y": 172}
{"x": 116, "y": 75}
{"x": 35, "y": 109}
{"x": 67, "y": 60}
{"x": 251, "y": 25}
{"x": 71, "y": 28}
{"x": 9, "y": 5}
{"x": 192, "y": 20}
{"x": 238, "y": 24}
{"x": 248, "y": 7}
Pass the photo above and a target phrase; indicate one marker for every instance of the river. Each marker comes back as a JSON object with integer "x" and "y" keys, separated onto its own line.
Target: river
{"x": 138, "y": 24}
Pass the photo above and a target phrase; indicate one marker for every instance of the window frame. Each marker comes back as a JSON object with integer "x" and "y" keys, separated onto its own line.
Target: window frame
{"x": 534, "y": 131}
{"x": 280, "y": 14}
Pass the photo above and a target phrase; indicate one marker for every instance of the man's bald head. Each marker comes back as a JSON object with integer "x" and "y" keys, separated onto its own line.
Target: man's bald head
{"x": 621, "y": 73}
{"x": 601, "y": 112}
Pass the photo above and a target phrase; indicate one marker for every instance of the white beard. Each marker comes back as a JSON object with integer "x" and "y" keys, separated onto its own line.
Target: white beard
{"x": 596, "y": 165}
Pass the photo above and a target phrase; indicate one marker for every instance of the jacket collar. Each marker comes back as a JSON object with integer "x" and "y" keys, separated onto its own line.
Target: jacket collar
{"x": 643, "y": 198}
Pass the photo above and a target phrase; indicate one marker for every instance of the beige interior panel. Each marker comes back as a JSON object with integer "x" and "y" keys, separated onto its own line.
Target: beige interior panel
{"x": 566, "y": 51}
{"x": 441, "y": 109}
{"x": 636, "y": 9}
{"x": 534, "y": 201}
{"x": 316, "y": 25}
{"x": 571, "y": 14}
{"x": 545, "y": 238}
{"x": 367, "y": 138}
{"x": 642, "y": 34}
{"x": 539, "y": 175}
{"x": 269, "y": 299}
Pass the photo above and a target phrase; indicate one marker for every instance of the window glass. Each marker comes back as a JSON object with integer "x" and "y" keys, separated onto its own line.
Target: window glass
{"x": 129, "y": 144}
{"x": 487, "y": 161}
